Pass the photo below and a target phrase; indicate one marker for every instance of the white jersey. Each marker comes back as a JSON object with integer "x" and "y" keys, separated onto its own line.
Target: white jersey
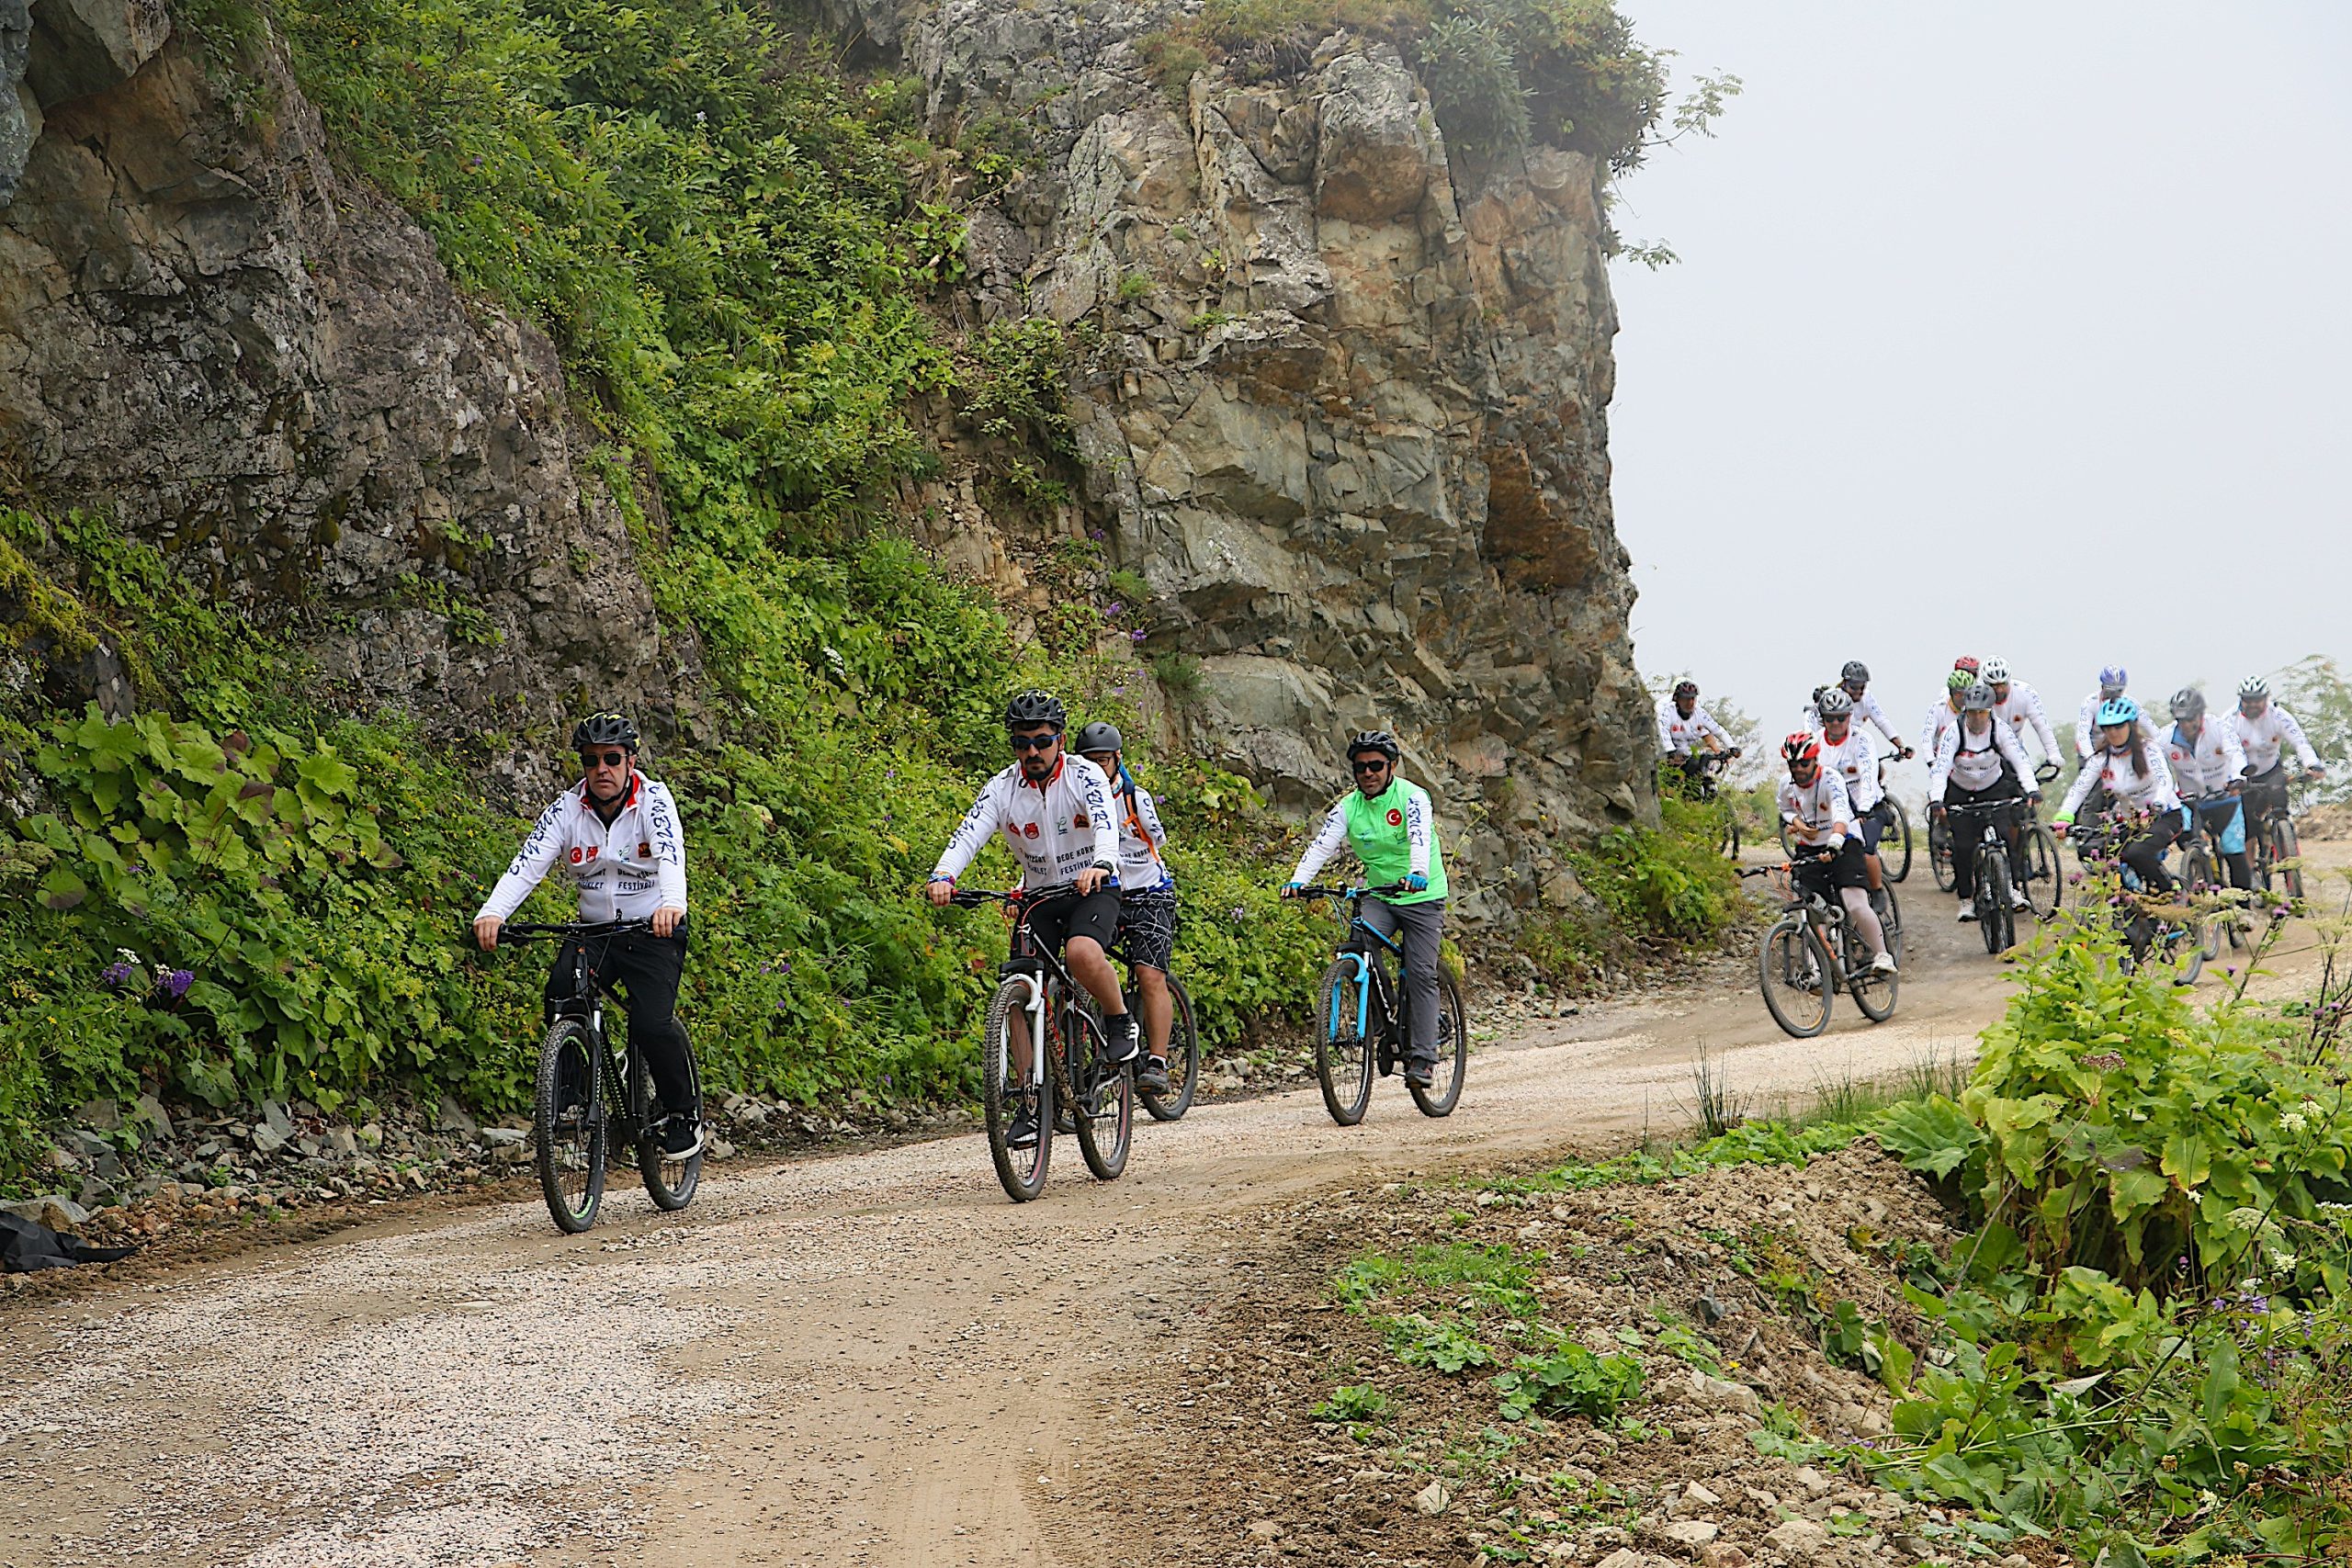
{"x": 1866, "y": 706}
{"x": 2086, "y": 726}
{"x": 1856, "y": 765}
{"x": 1972, "y": 758}
{"x": 1141, "y": 837}
{"x": 2207, "y": 765}
{"x": 2130, "y": 790}
{"x": 1817, "y": 813}
{"x": 1931, "y": 731}
{"x": 2021, "y": 710}
{"x": 2263, "y": 739}
{"x": 1055, "y": 828}
{"x": 1678, "y": 734}
{"x": 625, "y": 871}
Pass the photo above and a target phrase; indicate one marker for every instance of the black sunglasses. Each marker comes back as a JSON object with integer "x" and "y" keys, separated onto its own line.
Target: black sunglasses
{"x": 604, "y": 759}
{"x": 1377, "y": 764}
{"x": 1034, "y": 742}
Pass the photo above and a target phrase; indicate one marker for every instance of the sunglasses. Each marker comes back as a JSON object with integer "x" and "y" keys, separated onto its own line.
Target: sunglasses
{"x": 603, "y": 758}
{"x": 1034, "y": 742}
{"x": 1377, "y": 765}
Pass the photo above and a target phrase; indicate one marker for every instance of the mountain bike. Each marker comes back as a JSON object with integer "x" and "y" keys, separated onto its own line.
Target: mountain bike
{"x": 1894, "y": 839}
{"x": 2273, "y": 848}
{"x": 2202, "y": 879}
{"x": 1365, "y": 1027}
{"x": 1794, "y": 966}
{"x": 1183, "y": 1045}
{"x": 1069, "y": 1057}
{"x": 1995, "y": 918}
{"x": 593, "y": 1089}
{"x": 2170, "y": 934}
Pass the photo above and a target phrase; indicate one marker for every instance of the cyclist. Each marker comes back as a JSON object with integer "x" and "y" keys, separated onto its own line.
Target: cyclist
{"x": 2018, "y": 705}
{"x": 1978, "y": 765}
{"x": 1147, "y": 895}
{"x": 618, "y": 836}
{"x": 1389, "y": 824}
{"x": 1813, "y": 805}
{"x": 1054, "y": 810}
{"x": 2133, "y": 773}
{"x": 1846, "y": 752}
{"x": 2209, "y": 770}
{"x": 1943, "y": 715}
{"x": 2264, "y": 731}
{"x": 2112, "y": 680}
{"x": 1854, "y": 680}
{"x": 1688, "y": 734}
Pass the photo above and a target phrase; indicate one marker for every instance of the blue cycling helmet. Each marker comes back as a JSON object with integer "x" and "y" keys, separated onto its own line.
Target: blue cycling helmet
{"x": 2117, "y": 710}
{"x": 2113, "y": 678}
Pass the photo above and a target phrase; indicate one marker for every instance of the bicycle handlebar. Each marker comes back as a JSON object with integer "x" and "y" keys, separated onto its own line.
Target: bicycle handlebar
{"x": 1351, "y": 893}
{"x": 972, "y": 897}
{"x": 567, "y": 930}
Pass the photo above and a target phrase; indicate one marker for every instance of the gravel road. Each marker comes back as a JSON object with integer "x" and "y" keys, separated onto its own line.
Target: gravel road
{"x": 866, "y": 1359}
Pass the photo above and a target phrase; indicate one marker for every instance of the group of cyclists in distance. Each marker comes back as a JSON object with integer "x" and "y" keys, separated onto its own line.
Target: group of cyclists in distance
{"x": 2148, "y": 783}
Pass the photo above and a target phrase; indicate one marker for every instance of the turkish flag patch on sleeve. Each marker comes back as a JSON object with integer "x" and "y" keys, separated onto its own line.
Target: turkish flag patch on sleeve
{"x": 1395, "y": 817}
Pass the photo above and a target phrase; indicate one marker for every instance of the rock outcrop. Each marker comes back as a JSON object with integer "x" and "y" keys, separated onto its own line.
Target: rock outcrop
{"x": 1348, "y": 416}
{"x": 268, "y": 373}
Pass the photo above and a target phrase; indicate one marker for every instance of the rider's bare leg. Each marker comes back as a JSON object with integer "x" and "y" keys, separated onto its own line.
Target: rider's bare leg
{"x": 1158, "y": 1008}
{"x": 1085, "y": 958}
{"x": 1865, "y": 919}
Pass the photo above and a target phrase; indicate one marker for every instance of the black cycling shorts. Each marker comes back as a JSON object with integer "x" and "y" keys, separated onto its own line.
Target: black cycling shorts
{"x": 1148, "y": 926}
{"x": 1096, "y": 914}
{"x": 1824, "y": 876}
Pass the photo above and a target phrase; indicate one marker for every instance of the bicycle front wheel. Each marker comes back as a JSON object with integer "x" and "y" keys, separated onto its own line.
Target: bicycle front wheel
{"x": 1994, "y": 915}
{"x": 1792, "y": 967}
{"x": 1344, "y": 1042}
{"x": 1453, "y": 1051}
{"x": 1939, "y": 855}
{"x": 2286, "y": 851}
{"x": 2201, "y": 887}
{"x": 567, "y": 1117}
{"x": 1022, "y": 1172}
{"x": 1894, "y": 844}
{"x": 670, "y": 1182}
{"x": 1184, "y": 1058}
{"x": 2045, "y": 885}
{"x": 1102, "y": 1099}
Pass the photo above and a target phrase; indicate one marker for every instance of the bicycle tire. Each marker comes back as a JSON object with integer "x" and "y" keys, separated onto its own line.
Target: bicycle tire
{"x": 1452, "y": 1052}
{"x": 1183, "y": 1059}
{"x": 1994, "y": 915}
{"x": 2201, "y": 884}
{"x": 1788, "y": 946}
{"x": 1107, "y": 1133}
{"x": 1872, "y": 992}
{"x": 671, "y": 1183}
{"x": 1342, "y": 1048}
{"x": 1939, "y": 855}
{"x": 2045, "y": 883}
{"x": 1895, "y": 870}
{"x": 2287, "y": 848}
{"x": 570, "y": 1134}
{"x": 1022, "y": 1172}
{"x": 1890, "y": 920}
{"x": 1787, "y": 842}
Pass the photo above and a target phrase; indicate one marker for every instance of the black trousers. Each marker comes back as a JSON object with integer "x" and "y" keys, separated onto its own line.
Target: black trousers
{"x": 645, "y": 970}
{"x": 1965, "y": 810}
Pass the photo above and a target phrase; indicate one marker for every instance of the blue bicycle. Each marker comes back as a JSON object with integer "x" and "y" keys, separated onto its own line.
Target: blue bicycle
{"x": 1365, "y": 1024}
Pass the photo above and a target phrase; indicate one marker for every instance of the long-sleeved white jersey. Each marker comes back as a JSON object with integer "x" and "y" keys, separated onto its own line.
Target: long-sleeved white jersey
{"x": 1855, "y": 764}
{"x": 1141, "y": 837}
{"x": 2021, "y": 710}
{"x": 1972, "y": 758}
{"x": 1677, "y": 735}
{"x": 1866, "y": 706}
{"x": 2087, "y": 725}
{"x": 1055, "y": 828}
{"x": 2263, "y": 738}
{"x": 2207, "y": 765}
{"x": 2131, "y": 789}
{"x": 1939, "y": 718}
{"x": 625, "y": 872}
{"x": 1817, "y": 813}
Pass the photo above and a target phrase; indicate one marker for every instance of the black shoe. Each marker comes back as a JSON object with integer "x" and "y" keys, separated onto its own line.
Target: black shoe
{"x": 1119, "y": 1040}
{"x": 1152, "y": 1077}
{"x": 680, "y": 1136}
{"x": 1418, "y": 1074}
{"x": 1023, "y": 1135}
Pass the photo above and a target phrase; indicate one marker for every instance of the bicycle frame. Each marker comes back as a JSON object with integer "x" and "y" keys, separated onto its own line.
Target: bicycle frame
{"x": 585, "y": 1002}
{"x": 1369, "y": 975}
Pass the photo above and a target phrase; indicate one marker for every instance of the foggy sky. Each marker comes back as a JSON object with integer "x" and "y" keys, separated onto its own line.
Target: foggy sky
{"x": 2006, "y": 328}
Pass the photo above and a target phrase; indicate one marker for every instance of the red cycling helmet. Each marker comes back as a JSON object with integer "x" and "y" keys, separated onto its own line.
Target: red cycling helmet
{"x": 1802, "y": 747}
{"x": 1967, "y": 662}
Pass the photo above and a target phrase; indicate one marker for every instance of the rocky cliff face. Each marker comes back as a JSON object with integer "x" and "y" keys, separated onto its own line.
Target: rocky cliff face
{"x": 1347, "y": 415}
{"x": 267, "y": 373}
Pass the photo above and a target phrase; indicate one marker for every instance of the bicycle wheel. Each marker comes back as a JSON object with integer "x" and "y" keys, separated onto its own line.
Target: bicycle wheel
{"x": 2286, "y": 847}
{"x": 1872, "y": 992}
{"x": 1184, "y": 1058}
{"x": 1453, "y": 1051}
{"x": 1890, "y": 919}
{"x": 1788, "y": 844}
{"x": 1894, "y": 844}
{"x": 2199, "y": 887}
{"x": 1939, "y": 855}
{"x": 2044, "y": 886}
{"x": 1793, "y": 968}
{"x": 1994, "y": 915}
{"x": 671, "y": 1183}
{"x": 568, "y": 1116}
{"x": 1343, "y": 1046}
{"x": 1022, "y": 1171}
{"x": 1102, "y": 1108}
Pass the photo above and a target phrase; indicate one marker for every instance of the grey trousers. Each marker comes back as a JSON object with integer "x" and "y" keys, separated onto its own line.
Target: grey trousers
{"x": 1422, "y": 924}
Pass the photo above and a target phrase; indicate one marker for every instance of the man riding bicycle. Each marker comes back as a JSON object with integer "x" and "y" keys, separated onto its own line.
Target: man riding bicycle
{"x": 1854, "y": 680}
{"x": 1943, "y": 715}
{"x": 618, "y": 836}
{"x": 1054, "y": 810}
{"x": 1688, "y": 735}
{"x": 2018, "y": 705}
{"x": 2209, "y": 770}
{"x": 2263, "y": 730}
{"x": 1978, "y": 765}
{"x": 1819, "y": 816}
{"x": 1147, "y": 895}
{"x": 1390, "y": 826}
{"x": 1848, "y": 754}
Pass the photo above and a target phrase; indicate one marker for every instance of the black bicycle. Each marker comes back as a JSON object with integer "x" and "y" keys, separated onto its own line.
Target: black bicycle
{"x": 1068, "y": 1056}
{"x": 2273, "y": 849}
{"x": 594, "y": 1088}
{"x": 2201, "y": 879}
{"x": 1995, "y": 910}
{"x": 1793, "y": 964}
{"x": 2168, "y": 932}
{"x": 1895, "y": 837}
{"x": 1183, "y": 1045}
{"x": 1365, "y": 1029}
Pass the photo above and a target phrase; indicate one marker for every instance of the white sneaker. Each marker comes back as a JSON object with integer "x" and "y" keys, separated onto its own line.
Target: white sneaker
{"x": 2018, "y": 900}
{"x": 1883, "y": 964}
{"x": 1967, "y": 913}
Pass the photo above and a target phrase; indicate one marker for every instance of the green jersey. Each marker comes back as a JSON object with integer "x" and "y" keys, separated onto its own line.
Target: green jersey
{"x": 1393, "y": 833}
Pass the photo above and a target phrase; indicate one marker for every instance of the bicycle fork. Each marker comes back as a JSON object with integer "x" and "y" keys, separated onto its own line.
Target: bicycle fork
{"x": 1363, "y": 997}
{"x": 1033, "y": 1006}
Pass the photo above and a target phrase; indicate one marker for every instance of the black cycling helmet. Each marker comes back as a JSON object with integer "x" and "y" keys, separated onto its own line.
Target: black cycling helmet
{"x": 1036, "y": 708}
{"x": 604, "y": 729}
{"x": 1378, "y": 740}
{"x": 2187, "y": 703}
{"x": 1978, "y": 698}
{"x": 1099, "y": 737}
{"x": 1686, "y": 688}
{"x": 1855, "y": 673}
{"x": 1835, "y": 704}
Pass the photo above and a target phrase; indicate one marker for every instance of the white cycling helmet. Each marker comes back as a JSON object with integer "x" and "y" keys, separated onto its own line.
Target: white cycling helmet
{"x": 2253, "y": 686}
{"x": 1995, "y": 671}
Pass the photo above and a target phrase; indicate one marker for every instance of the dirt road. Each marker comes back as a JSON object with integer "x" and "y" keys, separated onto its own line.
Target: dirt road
{"x": 866, "y": 1359}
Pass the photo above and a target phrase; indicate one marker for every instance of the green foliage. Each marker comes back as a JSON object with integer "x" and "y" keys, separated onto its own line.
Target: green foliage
{"x": 1672, "y": 881}
{"x": 1353, "y": 1403}
{"x": 1568, "y": 1380}
{"x": 2317, "y": 692}
{"x": 1473, "y": 82}
{"x": 1449, "y": 1344}
{"x": 1498, "y": 1276}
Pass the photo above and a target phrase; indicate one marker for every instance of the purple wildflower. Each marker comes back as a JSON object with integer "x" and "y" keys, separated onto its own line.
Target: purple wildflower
{"x": 177, "y": 983}
{"x": 1239, "y": 913}
{"x": 119, "y": 974}
{"x": 1136, "y": 635}
{"x": 780, "y": 1005}
{"x": 1113, "y": 611}
{"x": 1097, "y": 534}
{"x": 783, "y": 965}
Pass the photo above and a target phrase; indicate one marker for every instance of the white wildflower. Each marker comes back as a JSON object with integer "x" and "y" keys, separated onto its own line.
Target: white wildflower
{"x": 2282, "y": 1260}
{"x": 2293, "y": 1121}
{"x": 2244, "y": 1219}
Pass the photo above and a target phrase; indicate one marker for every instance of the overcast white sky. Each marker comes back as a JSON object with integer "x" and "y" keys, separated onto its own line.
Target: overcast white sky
{"x": 2006, "y": 327}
